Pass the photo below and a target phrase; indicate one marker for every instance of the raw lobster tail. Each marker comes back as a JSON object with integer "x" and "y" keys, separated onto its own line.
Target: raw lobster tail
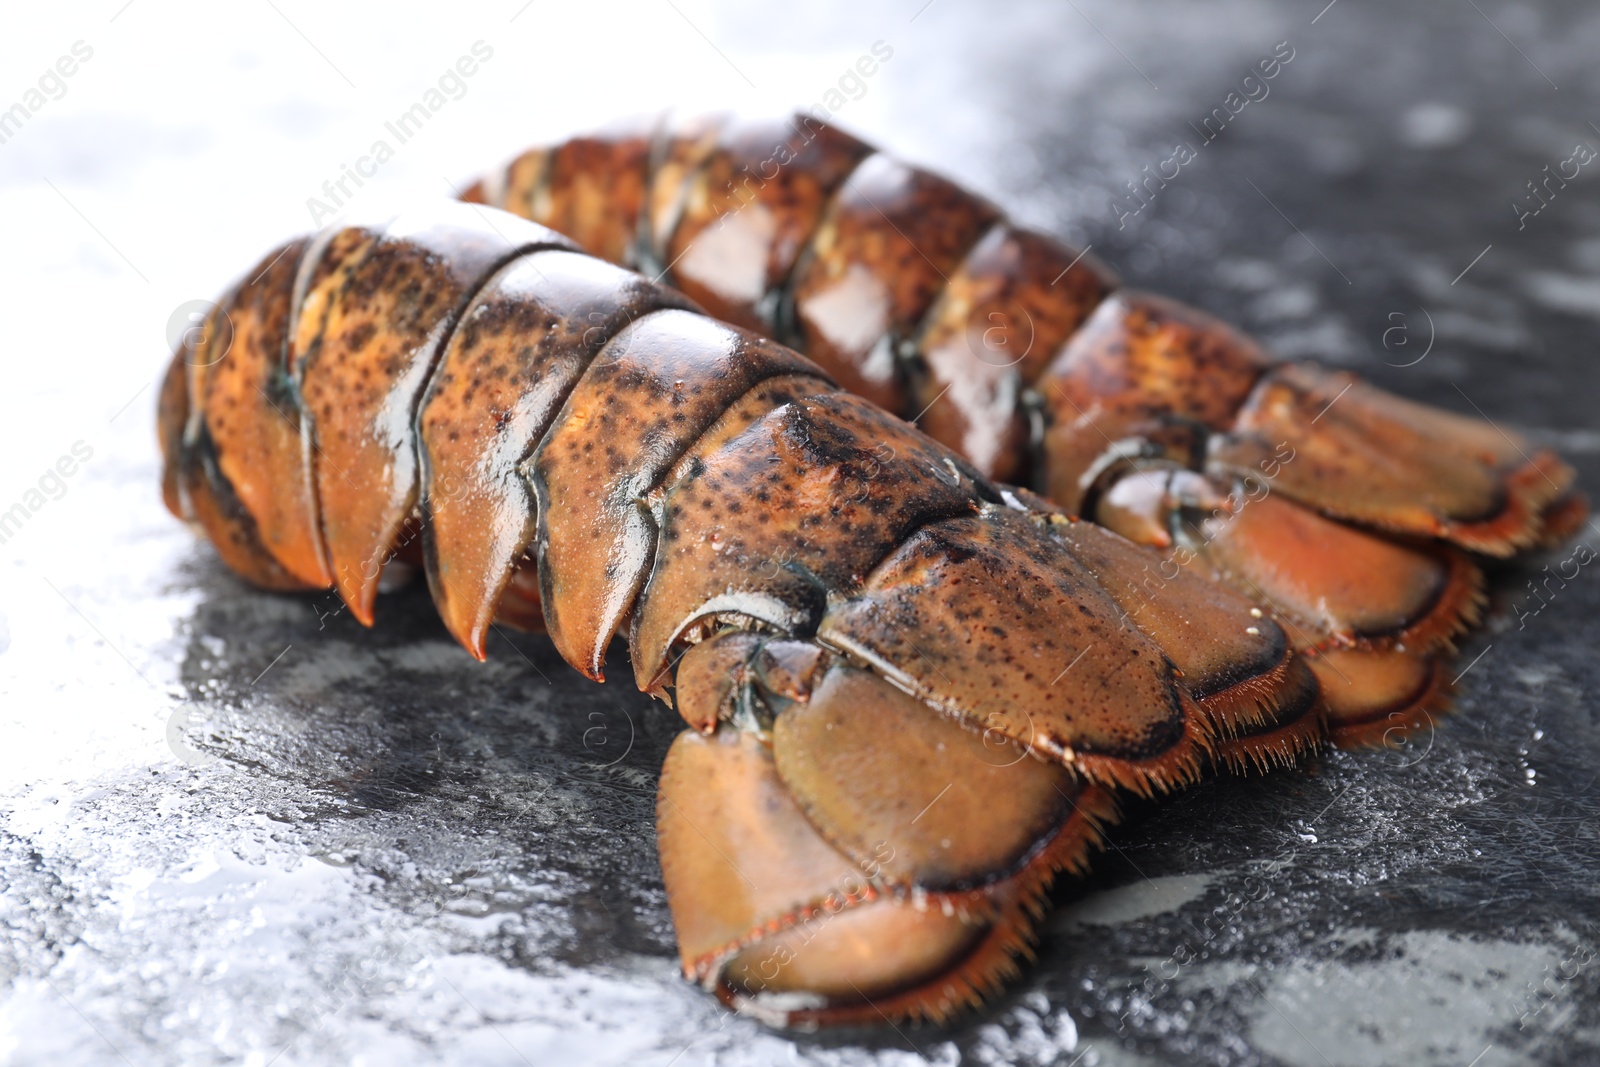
{"x": 915, "y": 693}
{"x": 1342, "y": 512}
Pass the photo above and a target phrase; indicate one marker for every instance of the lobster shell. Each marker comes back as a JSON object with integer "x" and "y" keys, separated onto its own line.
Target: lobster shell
{"x": 558, "y": 441}
{"x": 1349, "y": 515}
{"x": 915, "y": 694}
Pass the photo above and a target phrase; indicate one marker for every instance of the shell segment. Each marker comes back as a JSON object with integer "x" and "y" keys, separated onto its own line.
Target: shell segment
{"x": 363, "y": 381}
{"x": 808, "y": 887}
{"x": 195, "y": 485}
{"x": 750, "y": 203}
{"x": 1385, "y": 462}
{"x": 985, "y": 615}
{"x": 651, "y": 393}
{"x": 1003, "y": 314}
{"x": 890, "y": 240}
{"x": 529, "y": 336}
{"x": 773, "y": 523}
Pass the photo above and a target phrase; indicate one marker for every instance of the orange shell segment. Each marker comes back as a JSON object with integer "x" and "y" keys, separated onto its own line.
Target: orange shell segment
{"x": 891, "y": 237}
{"x": 252, "y": 411}
{"x": 650, "y": 394}
{"x": 526, "y": 339}
{"x": 1004, "y": 312}
{"x": 363, "y": 384}
{"x": 736, "y": 853}
{"x": 801, "y": 505}
{"x": 747, "y": 209}
{"x": 1138, "y": 360}
{"x": 991, "y": 620}
{"x": 1379, "y": 697}
{"x": 905, "y": 790}
{"x": 1340, "y": 583}
{"x": 594, "y": 190}
{"x": 1374, "y": 458}
{"x": 1237, "y": 663}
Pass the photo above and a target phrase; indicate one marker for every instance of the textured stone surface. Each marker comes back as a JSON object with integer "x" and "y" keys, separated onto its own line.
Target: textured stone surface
{"x": 237, "y": 828}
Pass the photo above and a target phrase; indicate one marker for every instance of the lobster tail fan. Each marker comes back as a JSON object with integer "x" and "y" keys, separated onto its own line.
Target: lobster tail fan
{"x": 808, "y": 886}
{"x": 1391, "y": 464}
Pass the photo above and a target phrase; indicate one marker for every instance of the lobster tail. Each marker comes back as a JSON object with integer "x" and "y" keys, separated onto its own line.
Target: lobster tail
{"x": 837, "y": 604}
{"x": 1020, "y": 353}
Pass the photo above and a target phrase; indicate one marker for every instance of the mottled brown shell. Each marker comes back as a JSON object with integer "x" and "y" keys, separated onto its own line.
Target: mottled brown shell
{"x": 1155, "y": 419}
{"x": 559, "y": 441}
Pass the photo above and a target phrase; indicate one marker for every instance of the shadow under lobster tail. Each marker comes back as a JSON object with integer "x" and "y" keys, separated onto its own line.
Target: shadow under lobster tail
{"x": 840, "y": 854}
